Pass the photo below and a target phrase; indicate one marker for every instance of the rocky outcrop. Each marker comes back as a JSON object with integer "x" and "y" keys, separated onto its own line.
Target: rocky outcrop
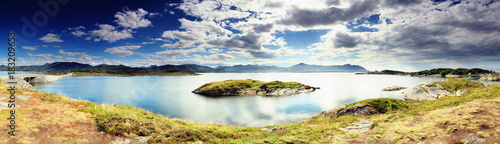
{"x": 423, "y": 92}
{"x": 360, "y": 126}
{"x": 30, "y": 79}
{"x": 359, "y": 109}
{"x": 265, "y": 92}
{"x": 472, "y": 139}
{"x": 486, "y": 78}
{"x": 393, "y": 88}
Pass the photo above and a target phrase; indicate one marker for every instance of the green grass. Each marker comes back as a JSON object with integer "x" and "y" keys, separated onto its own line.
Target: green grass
{"x": 247, "y": 84}
{"x": 381, "y": 105}
{"x": 452, "y": 85}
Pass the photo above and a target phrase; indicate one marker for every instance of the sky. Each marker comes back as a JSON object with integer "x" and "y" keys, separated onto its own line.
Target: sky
{"x": 407, "y": 35}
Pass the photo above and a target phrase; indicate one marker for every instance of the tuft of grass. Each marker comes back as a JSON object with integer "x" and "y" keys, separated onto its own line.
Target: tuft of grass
{"x": 248, "y": 84}
{"x": 452, "y": 85}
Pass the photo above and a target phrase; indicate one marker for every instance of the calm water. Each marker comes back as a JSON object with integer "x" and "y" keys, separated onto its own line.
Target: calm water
{"x": 171, "y": 95}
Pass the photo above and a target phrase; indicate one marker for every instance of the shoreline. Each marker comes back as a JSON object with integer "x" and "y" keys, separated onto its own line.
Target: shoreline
{"x": 317, "y": 129}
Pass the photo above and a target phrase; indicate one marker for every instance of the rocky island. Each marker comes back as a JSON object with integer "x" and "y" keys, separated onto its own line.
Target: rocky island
{"x": 253, "y": 88}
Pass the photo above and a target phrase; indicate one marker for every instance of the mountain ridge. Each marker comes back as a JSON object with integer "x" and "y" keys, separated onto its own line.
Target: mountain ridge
{"x": 301, "y": 67}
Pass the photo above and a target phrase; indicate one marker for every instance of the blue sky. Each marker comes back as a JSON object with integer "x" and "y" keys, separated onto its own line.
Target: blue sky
{"x": 405, "y": 35}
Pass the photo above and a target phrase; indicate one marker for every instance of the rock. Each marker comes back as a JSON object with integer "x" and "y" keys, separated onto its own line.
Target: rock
{"x": 136, "y": 140}
{"x": 487, "y": 78}
{"x": 423, "y": 92}
{"x": 33, "y": 79}
{"x": 353, "y": 110}
{"x": 393, "y": 88}
{"x": 472, "y": 139}
{"x": 361, "y": 126}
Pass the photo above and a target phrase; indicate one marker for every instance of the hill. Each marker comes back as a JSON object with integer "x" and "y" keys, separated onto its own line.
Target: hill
{"x": 302, "y": 67}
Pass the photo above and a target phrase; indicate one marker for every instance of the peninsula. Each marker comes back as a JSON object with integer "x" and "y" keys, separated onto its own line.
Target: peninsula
{"x": 253, "y": 88}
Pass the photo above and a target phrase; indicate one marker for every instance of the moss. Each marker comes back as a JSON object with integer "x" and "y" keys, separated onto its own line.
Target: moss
{"x": 247, "y": 84}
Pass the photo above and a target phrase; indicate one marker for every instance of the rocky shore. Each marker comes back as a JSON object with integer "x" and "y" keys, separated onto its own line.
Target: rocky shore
{"x": 28, "y": 80}
{"x": 393, "y": 88}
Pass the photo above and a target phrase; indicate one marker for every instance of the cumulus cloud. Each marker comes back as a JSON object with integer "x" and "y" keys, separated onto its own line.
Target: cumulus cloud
{"x": 345, "y": 41}
{"x": 110, "y": 33}
{"x": 133, "y": 19}
{"x": 195, "y": 32}
{"x": 173, "y": 54}
{"x": 30, "y": 48}
{"x": 50, "y": 37}
{"x": 61, "y": 51}
{"x": 122, "y": 51}
{"x": 78, "y": 33}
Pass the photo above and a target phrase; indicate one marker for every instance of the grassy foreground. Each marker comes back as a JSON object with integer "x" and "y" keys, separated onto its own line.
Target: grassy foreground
{"x": 247, "y": 84}
{"x": 52, "y": 118}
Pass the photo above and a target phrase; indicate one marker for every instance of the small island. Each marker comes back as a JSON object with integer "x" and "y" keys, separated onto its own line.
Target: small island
{"x": 123, "y": 73}
{"x": 251, "y": 87}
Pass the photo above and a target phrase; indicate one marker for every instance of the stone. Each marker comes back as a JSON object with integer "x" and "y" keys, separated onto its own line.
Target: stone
{"x": 393, "y": 88}
{"x": 423, "y": 92}
{"x": 472, "y": 139}
{"x": 360, "y": 126}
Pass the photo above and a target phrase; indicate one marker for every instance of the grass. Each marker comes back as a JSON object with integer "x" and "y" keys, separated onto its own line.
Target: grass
{"x": 443, "y": 120}
{"x": 452, "y": 85}
{"x": 247, "y": 84}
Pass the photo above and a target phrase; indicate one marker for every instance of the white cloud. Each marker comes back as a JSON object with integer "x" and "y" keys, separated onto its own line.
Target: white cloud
{"x": 30, "y": 48}
{"x": 78, "y": 33}
{"x": 61, "y": 51}
{"x": 50, "y": 37}
{"x": 110, "y": 34}
{"x": 44, "y": 56}
{"x": 133, "y": 19}
{"x": 122, "y": 51}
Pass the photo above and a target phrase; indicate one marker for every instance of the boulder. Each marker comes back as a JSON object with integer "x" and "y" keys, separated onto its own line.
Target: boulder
{"x": 359, "y": 109}
{"x": 486, "y": 78}
{"x": 393, "y": 88}
{"x": 423, "y": 92}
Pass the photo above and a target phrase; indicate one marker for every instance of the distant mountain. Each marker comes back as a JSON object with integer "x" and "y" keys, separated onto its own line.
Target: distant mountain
{"x": 302, "y": 67}
{"x": 66, "y": 66}
{"x": 251, "y": 68}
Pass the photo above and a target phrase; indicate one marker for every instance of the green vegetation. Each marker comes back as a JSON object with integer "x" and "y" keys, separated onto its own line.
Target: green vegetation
{"x": 453, "y": 85}
{"x": 439, "y": 121}
{"x": 449, "y": 71}
{"x": 248, "y": 84}
{"x": 122, "y": 72}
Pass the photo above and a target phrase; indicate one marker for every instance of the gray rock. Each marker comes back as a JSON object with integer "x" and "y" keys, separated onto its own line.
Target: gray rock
{"x": 360, "y": 126}
{"x": 472, "y": 139}
{"x": 353, "y": 110}
{"x": 423, "y": 92}
{"x": 486, "y": 78}
{"x": 393, "y": 88}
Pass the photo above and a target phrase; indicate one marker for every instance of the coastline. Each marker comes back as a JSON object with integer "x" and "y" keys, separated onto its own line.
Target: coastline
{"x": 156, "y": 128}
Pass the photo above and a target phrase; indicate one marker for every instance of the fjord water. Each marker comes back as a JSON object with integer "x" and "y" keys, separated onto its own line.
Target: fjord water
{"x": 171, "y": 95}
